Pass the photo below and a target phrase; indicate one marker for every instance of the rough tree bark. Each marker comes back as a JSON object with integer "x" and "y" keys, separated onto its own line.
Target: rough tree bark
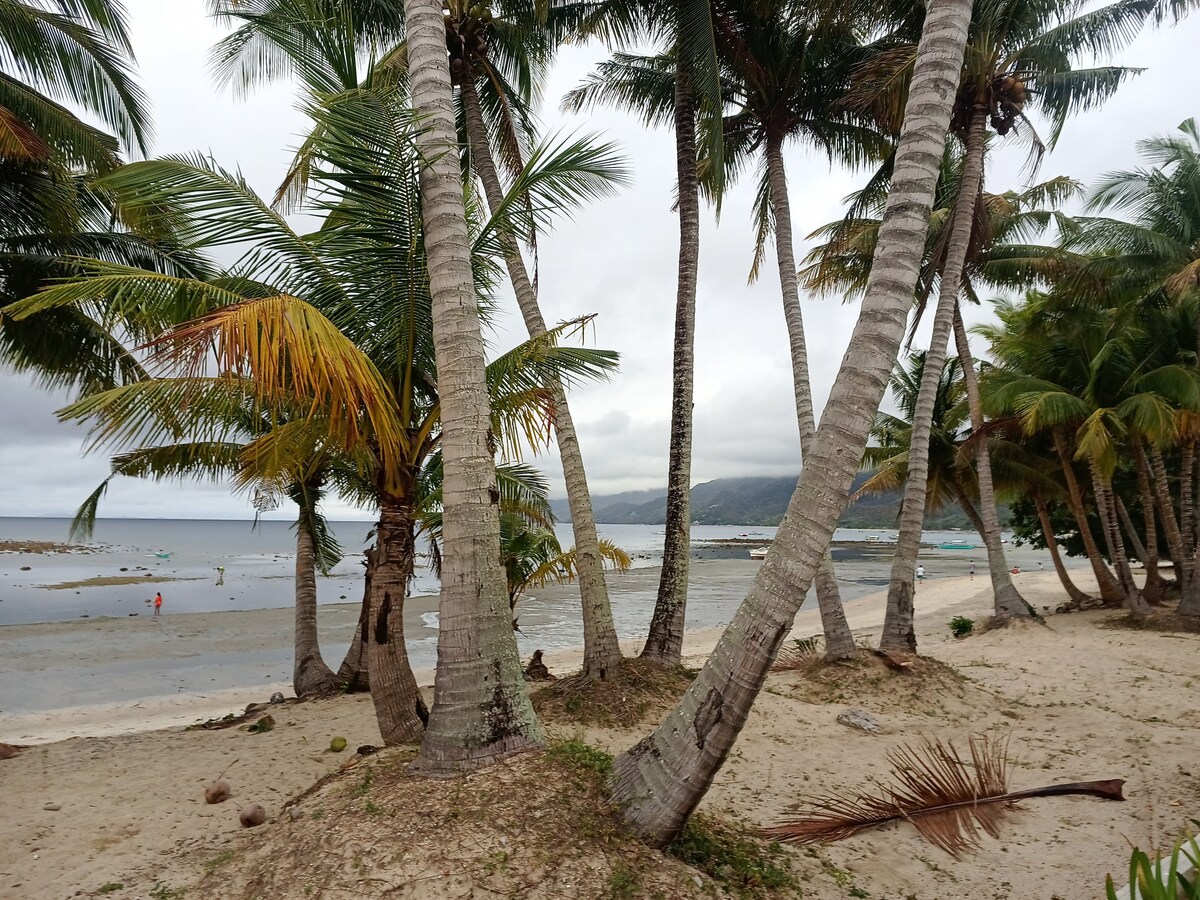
{"x": 601, "y": 650}
{"x": 664, "y": 644}
{"x": 1152, "y": 590}
{"x": 1007, "y": 602}
{"x": 839, "y": 640}
{"x": 1102, "y": 491}
{"x": 310, "y": 675}
{"x": 353, "y": 674}
{"x": 1166, "y": 512}
{"x": 399, "y": 708}
{"x": 481, "y": 710}
{"x": 659, "y": 782}
{"x": 898, "y": 631}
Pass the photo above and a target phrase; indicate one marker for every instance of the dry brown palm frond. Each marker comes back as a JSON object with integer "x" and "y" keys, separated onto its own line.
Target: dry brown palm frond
{"x": 800, "y": 654}
{"x": 946, "y": 798}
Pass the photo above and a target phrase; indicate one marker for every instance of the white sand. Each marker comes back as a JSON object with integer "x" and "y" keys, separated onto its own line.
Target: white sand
{"x": 1081, "y": 702}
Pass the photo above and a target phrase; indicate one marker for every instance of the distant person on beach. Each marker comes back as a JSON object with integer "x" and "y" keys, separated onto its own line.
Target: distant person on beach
{"x": 1041, "y": 566}
{"x": 972, "y": 570}
{"x": 920, "y": 573}
{"x": 157, "y": 603}
{"x": 220, "y": 575}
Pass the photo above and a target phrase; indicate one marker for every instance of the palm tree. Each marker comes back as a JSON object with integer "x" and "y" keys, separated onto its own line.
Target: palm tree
{"x": 1155, "y": 255}
{"x": 686, "y": 27}
{"x": 998, "y": 254}
{"x": 497, "y": 59}
{"x": 659, "y": 781}
{"x": 76, "y": 51}
{"x": 1019, "y": 54}
{"x": 784, "y": 74}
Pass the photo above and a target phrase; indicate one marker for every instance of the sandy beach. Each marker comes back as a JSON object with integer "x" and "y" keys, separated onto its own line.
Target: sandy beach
{"x": 1080, "y": 700}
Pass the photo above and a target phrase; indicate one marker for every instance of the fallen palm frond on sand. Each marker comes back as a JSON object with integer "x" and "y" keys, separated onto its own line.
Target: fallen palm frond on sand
{"x": 946, "y": 798}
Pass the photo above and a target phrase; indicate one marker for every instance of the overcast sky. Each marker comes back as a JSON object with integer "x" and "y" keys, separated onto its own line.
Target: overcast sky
{"x": 616, "y": 259}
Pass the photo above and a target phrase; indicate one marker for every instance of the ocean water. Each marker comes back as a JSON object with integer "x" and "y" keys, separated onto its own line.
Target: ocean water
{"x": 258, "y": 562}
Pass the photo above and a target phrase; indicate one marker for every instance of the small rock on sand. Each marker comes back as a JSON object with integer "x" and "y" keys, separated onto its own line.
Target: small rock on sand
{"x": 217, "y": 792}
{"x": 52, "y": 807}
{"x": 857, "y": 718}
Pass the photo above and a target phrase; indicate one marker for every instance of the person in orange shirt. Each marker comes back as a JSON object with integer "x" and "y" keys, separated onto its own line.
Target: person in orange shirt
{"x": 157, "y": 603}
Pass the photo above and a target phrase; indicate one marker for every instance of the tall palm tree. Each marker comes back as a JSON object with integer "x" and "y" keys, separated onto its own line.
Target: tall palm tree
{"x": 1156, "y": 255}
{"x": 498, "y": 58}
{"x": 998, "y": 254}
{"x": 784, "y": 73}
{"x": 1020, "y": 54}
{"x": 659, "y": 781}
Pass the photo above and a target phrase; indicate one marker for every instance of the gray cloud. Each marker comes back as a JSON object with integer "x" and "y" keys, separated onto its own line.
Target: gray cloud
{"x": 617, "y": 258}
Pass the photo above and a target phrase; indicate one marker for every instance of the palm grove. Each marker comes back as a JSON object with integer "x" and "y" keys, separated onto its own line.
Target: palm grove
{"x": 350, "y": 359}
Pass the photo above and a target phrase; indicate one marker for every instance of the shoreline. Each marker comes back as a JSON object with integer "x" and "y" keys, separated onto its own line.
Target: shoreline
{"x": 154, "y": 712}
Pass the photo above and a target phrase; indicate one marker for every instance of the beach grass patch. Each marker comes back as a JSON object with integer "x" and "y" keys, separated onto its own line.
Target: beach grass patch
{"x": 636, "y": 690}
{"x": 109, "y": 887}
{"x": 1162, "y": 622}
{"x": 961, "y": 626}
{"x": 742, "y": 864}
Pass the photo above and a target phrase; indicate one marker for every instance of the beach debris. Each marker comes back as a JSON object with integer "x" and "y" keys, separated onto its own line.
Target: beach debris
{"x": 26, "y": 568}
{"x": 217, "y": 792}
{"x": 337, "y": 745}
{"x": 536, "y": 670}
{"x": 266, "y": 723}
{"x": 896, "y": 665}
{"x": 252, "y": 814}
{"x": 366, "y": 750}
{"x": 8, "y": 751}
{"x": 278, "y": 697}
{"x": 860, "y": 719}
{"x": 52, "y": 807}
{"x": 946, "y": 798}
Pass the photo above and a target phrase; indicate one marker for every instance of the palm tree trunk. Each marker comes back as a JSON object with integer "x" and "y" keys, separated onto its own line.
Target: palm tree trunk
{"x": 1187, "y": 510}
{"x": 399, "y": 707}
{"x": 1110, "y": 590}
{"x": 601, "y": 650}
{"x": 1008, "y": 602}
{"x": 310, "y": 675}
{"x": 1152, "y": 590}
{"x": 1074, "y": 593}
{"x": 1139, "y": 549}
{"x": 1166, "y": 512}
{"x": 839, "y": 640}
{"x": 353, "y": 674}
{"x": 1102, "y": 491}
{"x": 898, "y": 631}
{"x": 481, "y": 709}
{"x": 1147, "y": 553}
{"x": 664, "y": 644}
{"x": 659, "y": 782}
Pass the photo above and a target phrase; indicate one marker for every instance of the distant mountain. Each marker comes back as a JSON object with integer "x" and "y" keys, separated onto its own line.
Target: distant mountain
{"x": 752, "y": 501}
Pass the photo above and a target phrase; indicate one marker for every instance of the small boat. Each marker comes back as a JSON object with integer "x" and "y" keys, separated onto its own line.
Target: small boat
{"x": 744, "y": 534}
{"x": 759, "y": 553}
{"x": 872, "y": 539}
{"x": 956, "y": 545}
{"x": 163, "y": 555}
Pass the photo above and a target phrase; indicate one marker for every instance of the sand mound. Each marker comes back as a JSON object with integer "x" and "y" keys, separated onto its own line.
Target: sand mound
{"x": 637, "y": 691}
{"x": 1164, "y": 622}
{"x": 537, "y": 826}
{"x": 924, "y": 687}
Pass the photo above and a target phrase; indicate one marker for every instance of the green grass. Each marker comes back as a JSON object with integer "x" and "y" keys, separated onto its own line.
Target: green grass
{"x": 217, "y": 861}
{"x": 110, "y": 887}
{"x": 582, "y": 757}
{"x": 623, "y": 883}
{"x": 162, "y": 891}
{"x": 742, "y": 865}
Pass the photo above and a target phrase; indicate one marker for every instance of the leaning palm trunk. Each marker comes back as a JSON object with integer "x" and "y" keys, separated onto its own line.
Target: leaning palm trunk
{"x": 659, "y": 782}
{"x": 1153, "y": 589}
{"x": 399, "y": 707}
{"x": 664, "y": 644}
{"x": 1187, "y": 510}
{"x": 898, "y": 631}
{"x": 1150, "y": 589}
{"x": 1007, "y": 601}
{"x": 839, "y": 641}
{"x": 353, "y": 674}
{"x": 1110, "y": 591}
{"x": 481, "y": 710}
{"x": 1074, "y": 593}
{"x": 601, "y": 651}
{"x": 1166, "y": 510}
{"x": 1102, "y": 490}
{"x": 310, "y": 675}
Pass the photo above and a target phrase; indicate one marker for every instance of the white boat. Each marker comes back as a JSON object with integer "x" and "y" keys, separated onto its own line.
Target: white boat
{"x": 759, "y": 553}
{"x": 872, "y": 539}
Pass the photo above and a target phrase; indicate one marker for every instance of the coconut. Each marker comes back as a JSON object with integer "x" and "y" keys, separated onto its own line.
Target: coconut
{"x": 252, "y": 814}
{"x": 217, "y": 792}
{"x": 338, "y": 744}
